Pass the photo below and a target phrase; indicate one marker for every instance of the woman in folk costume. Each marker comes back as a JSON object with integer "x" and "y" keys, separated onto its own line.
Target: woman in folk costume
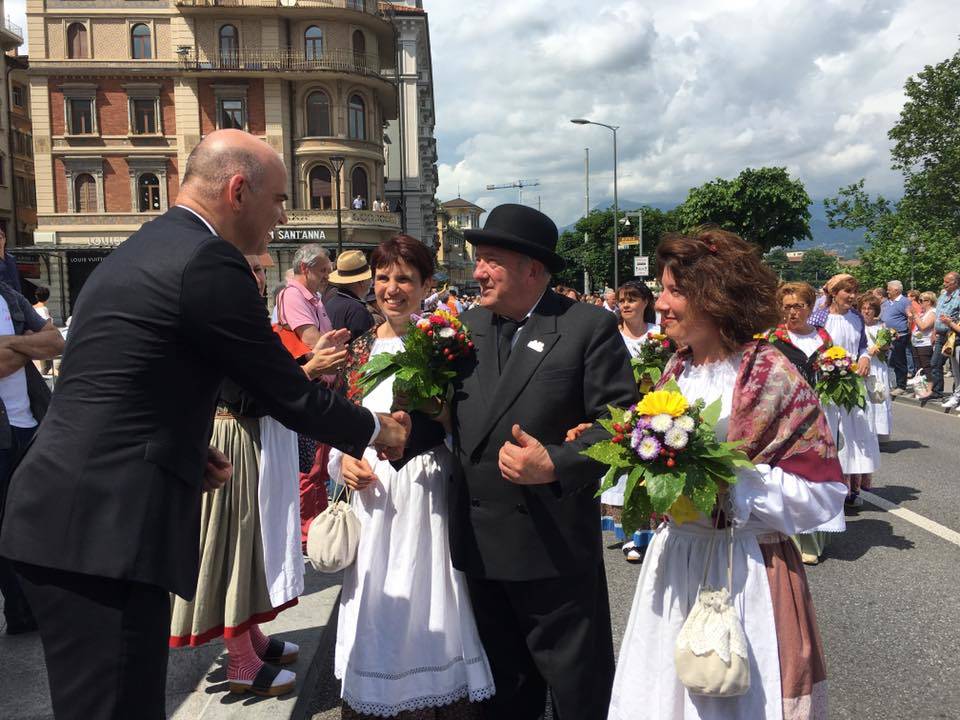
{"x": 802, "y": 343}
{"x": 407, "y": 642}
{"x": 717, "y": 295}
{"x": 858, "y": 448}
{"x": 637, "y": 321}
{"x": 251, "y": 565}
{"x": 879, "y": 414}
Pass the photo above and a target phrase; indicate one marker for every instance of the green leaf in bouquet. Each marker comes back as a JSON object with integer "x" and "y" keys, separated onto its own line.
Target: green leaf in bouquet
{"x": 608, "y": 453}
{"x": 609, "y": 480}
{"x": 407, "y": 373}
{"x": 664, "y": 489}
{"x": 654, "y": 373}
{"x": 702, "y": 491}
{"x": 616, "y": 414}
{"x": 671, "y": 385}
{"x": 710, "y": 415}
{"x": 635, "y": 477}
{"x": 607, "y": 424}
{"x": 637, "y": 510}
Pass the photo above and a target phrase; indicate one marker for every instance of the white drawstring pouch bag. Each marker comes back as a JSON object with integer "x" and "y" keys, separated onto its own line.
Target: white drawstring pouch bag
{"x": 711, "y": 654}
{"x": 333, "y": 537}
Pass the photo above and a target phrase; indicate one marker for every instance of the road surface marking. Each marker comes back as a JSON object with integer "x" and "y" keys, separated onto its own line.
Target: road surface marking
{"x": 913, "y": 518}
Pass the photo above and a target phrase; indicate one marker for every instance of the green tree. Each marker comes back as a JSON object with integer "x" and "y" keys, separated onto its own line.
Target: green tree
{"x": 927, "y": 143}
{"x": 765, "y": 206}
{"x": 853, "y": 208}
{"x": 596, "y": 254}
{"x": 817, "y": 267}
{"x": 777, "y": 260}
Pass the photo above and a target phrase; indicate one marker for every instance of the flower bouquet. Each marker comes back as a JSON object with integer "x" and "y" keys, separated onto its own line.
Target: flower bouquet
{"x": 837, "y": 379}
{"x": 669, "y": 450}
{"x": 885, "y": 337}
{"x": 424, "y": 368}
{"x": 653, "y": 356}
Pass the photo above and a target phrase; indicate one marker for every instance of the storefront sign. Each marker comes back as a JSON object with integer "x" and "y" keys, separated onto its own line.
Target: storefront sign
{"x": 79, "y": 266}
{"x": 299, "y": 234}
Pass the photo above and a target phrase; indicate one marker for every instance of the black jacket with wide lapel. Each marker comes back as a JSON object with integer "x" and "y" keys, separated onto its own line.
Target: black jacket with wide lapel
{"x": 567, "y": 364}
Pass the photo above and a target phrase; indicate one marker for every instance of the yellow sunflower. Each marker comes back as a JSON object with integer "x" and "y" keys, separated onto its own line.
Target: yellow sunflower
{"x": 663, "y": 402}
{"x": 835, "y": 353}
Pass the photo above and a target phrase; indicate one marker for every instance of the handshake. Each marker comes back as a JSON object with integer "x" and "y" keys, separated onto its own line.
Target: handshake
{"x": 394, "y": 433}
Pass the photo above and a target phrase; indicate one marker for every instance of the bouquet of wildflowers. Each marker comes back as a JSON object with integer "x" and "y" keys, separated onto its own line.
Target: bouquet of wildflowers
{"x": 837, "y": 379}
{"x": 669, "y": 450}
{"x": 424, "y": 368}
{"x": 885, "y": 336}
{"x": 648, "y": 366}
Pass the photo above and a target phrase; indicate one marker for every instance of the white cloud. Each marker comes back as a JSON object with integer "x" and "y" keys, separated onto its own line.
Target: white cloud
{"x": 700, "y": 89}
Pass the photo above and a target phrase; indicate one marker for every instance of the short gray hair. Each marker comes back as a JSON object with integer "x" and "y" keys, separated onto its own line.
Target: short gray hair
{"x": 308, "y": 255}
{"x": 210, "y": 168}
{"x": 897, "y": 284}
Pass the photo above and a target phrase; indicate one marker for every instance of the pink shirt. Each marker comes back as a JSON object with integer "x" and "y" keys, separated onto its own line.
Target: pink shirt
{"x": 302, "y": 307}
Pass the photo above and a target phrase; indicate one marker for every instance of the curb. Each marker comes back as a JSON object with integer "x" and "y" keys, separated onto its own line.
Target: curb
{"x": 303, "y": 708}
{"x": 930, "y": 405}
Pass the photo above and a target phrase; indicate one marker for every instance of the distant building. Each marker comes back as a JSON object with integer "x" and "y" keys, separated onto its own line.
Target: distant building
{"x": 11, "y": 37}
{"x": 454, "y": 255}
{"x": 21, "y": 149}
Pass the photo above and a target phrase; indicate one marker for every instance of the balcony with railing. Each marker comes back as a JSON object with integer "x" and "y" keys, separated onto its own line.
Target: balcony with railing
{"x": 10, "y": 31}
{"x": 367, "y": 6}
{"x": 348, "y": 217}
{"x": 271, "y": 60}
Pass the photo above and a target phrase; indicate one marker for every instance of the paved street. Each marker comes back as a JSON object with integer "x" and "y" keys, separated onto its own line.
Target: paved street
{"x": 885, "y": 592}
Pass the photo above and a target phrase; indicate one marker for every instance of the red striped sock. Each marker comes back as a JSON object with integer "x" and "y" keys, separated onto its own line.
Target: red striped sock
{"x": 258, "y": 640}
{"x": 243, "y": 664}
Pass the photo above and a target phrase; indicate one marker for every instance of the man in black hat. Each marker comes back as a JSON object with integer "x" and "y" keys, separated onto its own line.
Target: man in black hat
{"x": 351, "y": 281}
{"x": 524, "y": 519}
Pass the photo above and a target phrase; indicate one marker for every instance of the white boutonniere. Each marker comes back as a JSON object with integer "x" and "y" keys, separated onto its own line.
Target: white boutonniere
{"x": 535, "y": 345}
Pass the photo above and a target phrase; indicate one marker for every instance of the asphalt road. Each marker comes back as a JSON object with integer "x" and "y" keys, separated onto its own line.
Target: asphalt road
{"x": 886, "y": 592}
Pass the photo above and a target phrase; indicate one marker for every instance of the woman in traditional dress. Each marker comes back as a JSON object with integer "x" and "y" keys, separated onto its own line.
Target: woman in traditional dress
{"x": 407, "y": 642}
{"x": 858, "y": 447}
{"x": 879, "y": 414}
{"x": 637, "y": 321}
{"x": 796, "y": 338}
{"x": 717, "y": 295}
{"x": 251, "y": 566}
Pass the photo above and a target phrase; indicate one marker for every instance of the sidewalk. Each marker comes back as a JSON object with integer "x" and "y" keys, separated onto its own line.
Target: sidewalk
{"x": 196, "y": 677}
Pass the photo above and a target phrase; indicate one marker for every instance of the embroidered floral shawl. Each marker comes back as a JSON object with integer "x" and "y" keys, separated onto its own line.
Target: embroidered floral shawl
{"x": 358, "y": 353}
{"x": 776, "y": 414}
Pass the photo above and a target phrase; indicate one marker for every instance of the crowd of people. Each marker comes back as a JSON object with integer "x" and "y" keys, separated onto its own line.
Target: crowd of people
{"x": 193, "y": 439}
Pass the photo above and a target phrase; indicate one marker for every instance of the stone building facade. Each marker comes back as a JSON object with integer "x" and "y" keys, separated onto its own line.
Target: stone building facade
{"x": 11, "y": 37}
{"x": 454, "y": 255}
{"x": 123, "y": 90}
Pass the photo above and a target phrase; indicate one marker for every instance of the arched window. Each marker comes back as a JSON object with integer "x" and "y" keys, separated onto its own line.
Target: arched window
{"x": 313, "y": 43}
{"x": 77, "y": 40}
{"x": 229, "y": 46}
{"x": 148, "y": 192}
{"x": 358, "y": 187}
{"x": 85, "y": 193}
{"x": 319, "y": 180}
{"x": 357, "y": 118}
{"x": 140, "y": 35}
{"x": 359, "y": 48}
{"x": 318, "y": 114}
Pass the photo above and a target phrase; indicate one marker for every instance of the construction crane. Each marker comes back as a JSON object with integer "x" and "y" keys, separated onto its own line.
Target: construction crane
{"x": 519, "y": 185}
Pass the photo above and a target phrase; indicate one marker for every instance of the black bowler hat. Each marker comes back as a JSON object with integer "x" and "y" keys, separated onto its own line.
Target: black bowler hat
{"x": 523, "y": 230}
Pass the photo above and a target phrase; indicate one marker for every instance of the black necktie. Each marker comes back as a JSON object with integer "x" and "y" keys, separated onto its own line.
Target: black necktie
{"x": 508, "y": 328}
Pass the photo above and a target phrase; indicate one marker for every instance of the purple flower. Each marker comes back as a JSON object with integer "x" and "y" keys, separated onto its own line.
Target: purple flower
{"x": 648, "y": 448}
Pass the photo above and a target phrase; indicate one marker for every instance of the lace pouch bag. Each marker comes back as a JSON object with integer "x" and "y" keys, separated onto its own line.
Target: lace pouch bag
{"x": 875, "y": 390}
{"x": 333, "y": 537}
{"x": 711, "y": 655}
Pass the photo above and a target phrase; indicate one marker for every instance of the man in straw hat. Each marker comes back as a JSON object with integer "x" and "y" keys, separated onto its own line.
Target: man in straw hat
{"x": 524, "y": 522}
{"x": 351, "y": 282}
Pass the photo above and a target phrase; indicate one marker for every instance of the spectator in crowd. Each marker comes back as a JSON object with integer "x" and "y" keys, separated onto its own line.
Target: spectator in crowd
{"x": 948, "y": 309}
{"x": 350, "y": 282}
{"x": 24, "y": 396}
{"x": 42, "y": 294}
{"x": 358, "y": 203}
{"x": 894, "y": 314}
{"x": 879, "y": 293}
{"x": 923, "y": 334}
{"x": 609, "y": 300}
{"x": 879, "y": 407}
{"x": 8, "y": 265}
{"x": 299, "y": 307}
{"x": 453, "y": 302}
{"x": 915, "y": 309}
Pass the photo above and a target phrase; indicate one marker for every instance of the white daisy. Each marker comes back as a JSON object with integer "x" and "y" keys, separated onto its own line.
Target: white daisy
{"x": 685, "y": 423}
{"x": 661, "y": 423}
{"x": 676, "y": 438}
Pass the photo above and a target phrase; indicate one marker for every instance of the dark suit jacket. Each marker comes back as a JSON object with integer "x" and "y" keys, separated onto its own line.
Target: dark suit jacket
{"x": 111, "y": 484}
{"x": 578, "y": 365}
{"x": 346, "y": 310}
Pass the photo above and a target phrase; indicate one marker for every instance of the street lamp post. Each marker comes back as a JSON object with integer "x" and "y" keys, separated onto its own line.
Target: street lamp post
{"x": 616, "y": 206}
{"x": 912, "y": 249}
{"x": 337, "y": 162}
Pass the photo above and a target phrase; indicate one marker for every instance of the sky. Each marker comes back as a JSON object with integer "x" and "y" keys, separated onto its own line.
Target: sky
{"x": 699, "y": 89}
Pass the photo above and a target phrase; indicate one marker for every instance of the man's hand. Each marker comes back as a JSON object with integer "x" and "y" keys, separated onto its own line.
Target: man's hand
{"x": 527, "y": 462}
{"x": 357, "y": 474}
{"x": 574, "y": 433}
{"x": 329, "y": 354}
{"x": 394, "y": 433}
{"x": 219, "y": 469}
